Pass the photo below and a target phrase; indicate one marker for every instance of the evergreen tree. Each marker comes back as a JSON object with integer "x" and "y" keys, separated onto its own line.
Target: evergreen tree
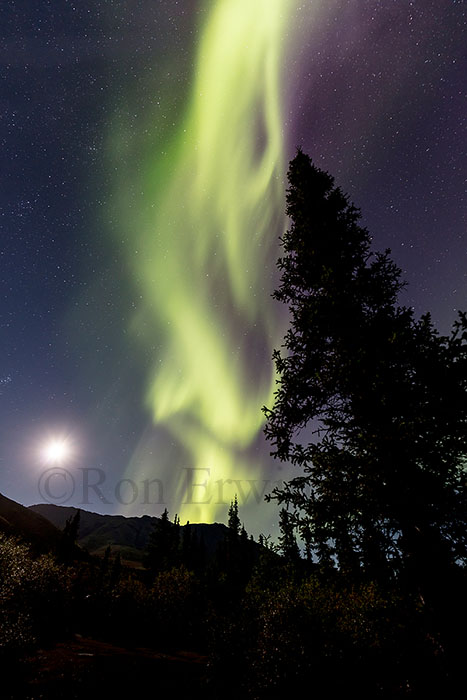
{"x": 163, "y": 547}
{"x": 67, "y": 545}
{"x": 234, "y": 524}
{"x": 371, "y": 403}
{"x": 187, "y": 545}
{"x": 176, "y": 544}
{"x": 287, "y": 542}
{"x": 192, "y": 549}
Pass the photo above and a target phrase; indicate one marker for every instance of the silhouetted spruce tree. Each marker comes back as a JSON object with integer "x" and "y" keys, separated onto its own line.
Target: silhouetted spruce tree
{"x": 187, "y": 545}
{"x": 67, "y": 545}
{"x": 233, "y": 544}
{"x": 234, "y": 556}
{"x": 191, "y": 551}
{"x": 371, "y": 403}
{"x": 233, "y": 522}
{"x": 176, "y": 539}
{"x": 163, "y": 546}
{"x": 287, "y": 542}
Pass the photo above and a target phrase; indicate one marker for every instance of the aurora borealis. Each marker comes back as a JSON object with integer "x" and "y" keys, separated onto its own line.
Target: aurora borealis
{"x": 214, "y": 203}
{"x": 147, "y": 146}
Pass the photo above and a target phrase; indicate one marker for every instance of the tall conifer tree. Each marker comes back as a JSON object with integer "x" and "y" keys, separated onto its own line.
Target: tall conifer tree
{"x": 371, "y": 403}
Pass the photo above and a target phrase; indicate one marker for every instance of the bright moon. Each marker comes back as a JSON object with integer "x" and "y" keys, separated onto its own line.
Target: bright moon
{"x": 56, "y": 451}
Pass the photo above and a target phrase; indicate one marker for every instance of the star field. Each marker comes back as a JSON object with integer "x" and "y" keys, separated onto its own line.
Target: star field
{"x": 374, "y": 91}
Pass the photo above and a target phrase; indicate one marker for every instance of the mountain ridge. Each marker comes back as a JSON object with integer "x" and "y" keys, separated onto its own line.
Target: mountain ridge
{"x": 31, "y": 526}
{"x": 127, "y": 534}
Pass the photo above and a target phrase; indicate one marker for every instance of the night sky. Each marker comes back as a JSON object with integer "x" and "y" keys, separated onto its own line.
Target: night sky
{"x": 144, "y": 155}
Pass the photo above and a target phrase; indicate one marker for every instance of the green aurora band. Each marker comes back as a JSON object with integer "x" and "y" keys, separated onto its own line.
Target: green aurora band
{"x": 202, "y": 254}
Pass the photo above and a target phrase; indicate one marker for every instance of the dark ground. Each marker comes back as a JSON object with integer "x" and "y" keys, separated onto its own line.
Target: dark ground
{"x": 86, "y": 668}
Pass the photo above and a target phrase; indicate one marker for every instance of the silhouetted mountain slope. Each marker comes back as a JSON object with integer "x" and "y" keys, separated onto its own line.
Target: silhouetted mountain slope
{"x": 32, "y": 526}
{"x": 128, "y": 534}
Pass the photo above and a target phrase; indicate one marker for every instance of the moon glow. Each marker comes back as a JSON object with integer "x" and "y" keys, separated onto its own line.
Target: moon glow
{"x": 56, "y": 451}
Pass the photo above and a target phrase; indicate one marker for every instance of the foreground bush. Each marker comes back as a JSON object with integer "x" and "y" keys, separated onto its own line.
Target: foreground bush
{"x": 35, "y": 601}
